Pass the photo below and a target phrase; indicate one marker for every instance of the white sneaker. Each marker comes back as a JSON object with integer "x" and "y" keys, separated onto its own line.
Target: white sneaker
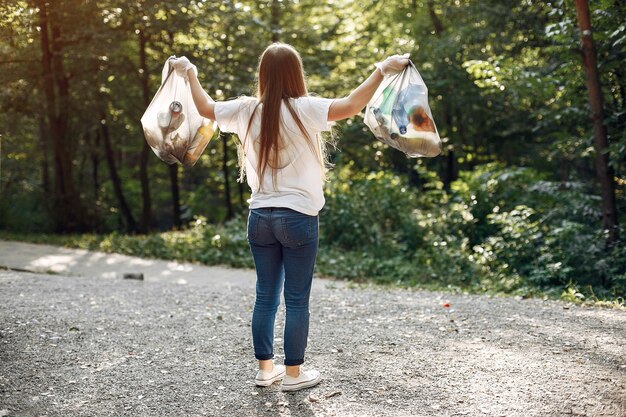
{"x": 267, "y": 378}
{"x": 306, "y": 379}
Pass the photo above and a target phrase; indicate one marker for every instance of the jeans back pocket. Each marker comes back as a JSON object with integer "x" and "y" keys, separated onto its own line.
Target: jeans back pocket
{"x": 298, "y": 229}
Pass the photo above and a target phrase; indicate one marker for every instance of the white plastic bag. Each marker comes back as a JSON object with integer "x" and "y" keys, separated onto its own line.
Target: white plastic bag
{"x": 399, "y": 115}
{"x": 172, "y": 125}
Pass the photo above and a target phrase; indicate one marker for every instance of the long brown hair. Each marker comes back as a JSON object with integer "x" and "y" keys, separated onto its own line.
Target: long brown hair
{"x": 280, "y": 77}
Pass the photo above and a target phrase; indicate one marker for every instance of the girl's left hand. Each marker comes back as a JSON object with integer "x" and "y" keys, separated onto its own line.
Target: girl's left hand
{"x": 393, "y": 65}
{"x": 182, "y": 65}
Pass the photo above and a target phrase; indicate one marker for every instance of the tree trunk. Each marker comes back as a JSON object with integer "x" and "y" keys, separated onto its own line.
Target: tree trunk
{"x": 173, "y": 169}
{"x": 69, "y": 214}
{"x": 604, "y": 171}
{"x": 275, "y": 20}
{"x": 131, "y": 225}
{"x": 146, "y": 213}
{"x": 43, "y": 147}
{"x": 95, "y": 166}
{"x": 450, "y": 173}
{"x": 229, "y": 203}
{"x": 438, "y": 26}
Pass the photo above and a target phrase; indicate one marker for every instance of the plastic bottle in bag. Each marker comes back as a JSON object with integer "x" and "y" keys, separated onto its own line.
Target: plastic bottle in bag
{"x": 172, "y": 118}
{"x": 400, "y": 116}
{"x": 200, "y": 140}
{"x": 383, "y": 124}
{"x": 389, "y": 98}
{"x": 164, "y": 118}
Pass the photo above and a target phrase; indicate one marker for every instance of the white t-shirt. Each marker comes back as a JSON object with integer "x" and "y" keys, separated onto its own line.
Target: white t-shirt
{"x": 299, "y": 184}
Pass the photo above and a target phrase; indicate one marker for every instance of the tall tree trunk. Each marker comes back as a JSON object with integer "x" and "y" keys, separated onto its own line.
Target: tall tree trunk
{"x": 173, "y": 169}
{"x": 437, "y": 24}
{"x": 68, "y": 211}
{"x": 95, "y": 166}
{"x": 604, "y": 171}
{"x": 450, "y": 173}
{"x": 275, "y": 20}
{"x": 131, "y": 225}
{"x": 43, "y": 147}
{"x": 0, "y": 165}
{"x": 227, "y": 199}
{"x": 146, "y": 213}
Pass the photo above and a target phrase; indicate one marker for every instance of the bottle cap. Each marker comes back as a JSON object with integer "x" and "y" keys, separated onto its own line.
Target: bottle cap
{"x": 176, "y": 107}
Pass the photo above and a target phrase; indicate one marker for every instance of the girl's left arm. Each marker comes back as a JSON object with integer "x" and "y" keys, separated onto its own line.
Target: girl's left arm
{"x": 204, "y": 103}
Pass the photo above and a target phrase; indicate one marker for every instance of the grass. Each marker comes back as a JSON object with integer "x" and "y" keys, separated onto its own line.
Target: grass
{"x": 210, "y": 245}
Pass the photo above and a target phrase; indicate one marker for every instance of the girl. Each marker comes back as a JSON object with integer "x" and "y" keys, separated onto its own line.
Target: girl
{"x": 283, "y": 156}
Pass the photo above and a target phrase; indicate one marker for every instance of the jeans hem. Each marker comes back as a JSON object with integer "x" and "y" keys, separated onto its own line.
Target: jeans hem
{"x": 295, "y": 362}
{"x": 264, "y": 357}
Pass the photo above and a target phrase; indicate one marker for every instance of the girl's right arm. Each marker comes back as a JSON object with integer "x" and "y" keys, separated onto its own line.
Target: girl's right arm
{"x": 349, "y": 106}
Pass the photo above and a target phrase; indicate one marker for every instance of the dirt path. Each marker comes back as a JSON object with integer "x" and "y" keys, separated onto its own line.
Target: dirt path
{"x": 94, "y": 346}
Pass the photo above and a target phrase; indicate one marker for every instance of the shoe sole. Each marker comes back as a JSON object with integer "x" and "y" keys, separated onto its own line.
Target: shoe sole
{"x": 268, "y": 382}
{"x": 301, "y": 385}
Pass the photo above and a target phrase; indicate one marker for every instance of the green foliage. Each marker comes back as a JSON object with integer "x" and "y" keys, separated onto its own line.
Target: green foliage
{"x": 24, "y": 213}
{"x": 370, "y": 211}
{"x": 504, "y": 237}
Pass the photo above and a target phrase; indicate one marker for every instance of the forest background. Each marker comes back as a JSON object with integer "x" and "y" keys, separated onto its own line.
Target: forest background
{"x": 523, "y": 199}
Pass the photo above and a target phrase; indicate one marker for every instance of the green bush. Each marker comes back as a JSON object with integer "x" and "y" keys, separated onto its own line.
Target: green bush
{"x": 546, "y": 234}
{"x": 372, "y": 212}
{"x": 24, "y": 212}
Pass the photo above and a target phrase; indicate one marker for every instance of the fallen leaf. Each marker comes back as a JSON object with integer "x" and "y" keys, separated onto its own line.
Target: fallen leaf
{"x": 333, "y": 394}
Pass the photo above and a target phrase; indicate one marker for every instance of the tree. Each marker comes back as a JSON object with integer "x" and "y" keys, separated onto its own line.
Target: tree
{"x": 604, "y": 171}
{"x": 69, "y": 213}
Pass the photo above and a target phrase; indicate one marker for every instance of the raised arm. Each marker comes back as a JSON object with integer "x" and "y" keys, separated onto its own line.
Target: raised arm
{"x": 204, "y": 103}
{"x": 349, "y": 106}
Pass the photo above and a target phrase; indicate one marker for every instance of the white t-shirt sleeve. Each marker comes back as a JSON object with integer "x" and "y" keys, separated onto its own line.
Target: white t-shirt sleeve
{"x": 313, "y": 112}
{"x": 227, "y": 115}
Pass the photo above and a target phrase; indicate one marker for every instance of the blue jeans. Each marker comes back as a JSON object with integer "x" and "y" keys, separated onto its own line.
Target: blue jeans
{"x": 284, "y": 246}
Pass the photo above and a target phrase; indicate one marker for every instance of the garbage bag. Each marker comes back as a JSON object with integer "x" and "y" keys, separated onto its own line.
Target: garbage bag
{"x": 399, "y": 115}
{"x": 172, "y": 125}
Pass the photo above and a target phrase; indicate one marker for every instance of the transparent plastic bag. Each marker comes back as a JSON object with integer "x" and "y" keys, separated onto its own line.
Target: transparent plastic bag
{"x": 399, "y": 115}
{"x": 172, "y": 125}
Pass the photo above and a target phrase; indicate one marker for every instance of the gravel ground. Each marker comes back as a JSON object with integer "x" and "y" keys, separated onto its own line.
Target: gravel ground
{"x": 91, "y": 346}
